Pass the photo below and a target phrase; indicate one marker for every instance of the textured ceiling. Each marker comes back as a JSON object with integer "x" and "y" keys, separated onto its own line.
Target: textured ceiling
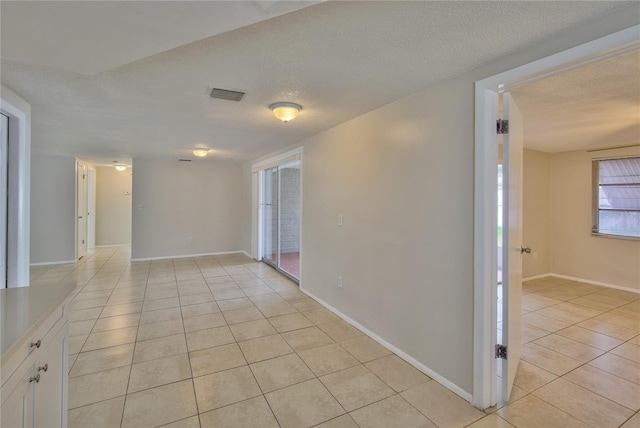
{"x": 591, "y": 107}
{"x": 337, "y": 59}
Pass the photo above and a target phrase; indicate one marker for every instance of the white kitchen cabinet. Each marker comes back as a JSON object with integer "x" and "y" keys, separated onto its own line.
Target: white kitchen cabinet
{"x": 34, "y": 356}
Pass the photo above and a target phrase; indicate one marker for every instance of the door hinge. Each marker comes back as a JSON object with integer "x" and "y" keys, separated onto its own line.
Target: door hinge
{"x": 501, "y": 352}
{"x": 502, "y": 126}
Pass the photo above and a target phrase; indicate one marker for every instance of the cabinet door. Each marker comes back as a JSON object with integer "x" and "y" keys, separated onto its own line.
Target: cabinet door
{"x": 17, "y": 410}
{"x": 50, "y": 393}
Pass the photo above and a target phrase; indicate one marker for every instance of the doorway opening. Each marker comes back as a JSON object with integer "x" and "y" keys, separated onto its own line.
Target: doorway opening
{"x": 485, "y": 390}
{"x": 279, "y": 206}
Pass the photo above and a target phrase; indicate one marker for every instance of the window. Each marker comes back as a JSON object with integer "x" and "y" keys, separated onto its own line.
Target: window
{"x": 616, "y": 197}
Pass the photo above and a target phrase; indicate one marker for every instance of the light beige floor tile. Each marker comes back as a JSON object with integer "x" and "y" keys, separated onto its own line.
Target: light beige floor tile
{"x": 284, "y": 323}
{"x": 530, "y": 377}
{"x": 582, "y": 404}
{"x": 74, "y": 344}
{"x": 307, "y": 338}
{"x": 277, "y": 309}
{"x": 228, "y": 293}
{"x": 233, "y": 304}
{"x": 105, "y": 414}
{"x": 545, "y": 323}
{"x": 253, "y": 412}
{"x": 532, "y": 412}
{"x": 591, "y": 338}
{"x": 280, "y": 372}
{"x": 114, "y": 323}
{"x": 161, "y": 371}
{"x": 628, "y": 351}
{"x": 356, "y": 387}
{"x": 155, "y": 294}
{"x": 196, "y": 299}
{"x": 124, "y": 309}
{"x": 635, "y": 340}
{"x": 81, "y": 328}
{"x": 89, "y": 303}
{"x": 162, "y": 347}
{"x": 102, "y": 359}
{"x": 83, "y": 391}
{"x": 344, "y": 421}
{"x": 236, "y": 316}
{"x": 203, "y": 322}
{"x": 603, "y": 303}
{"x": 209, "y": 338}
{"x": 160, "y": 405}
{"x": 154, "y": 305}
{"x": 252, "y": 329}
{"x": 578, "y": 309}
{"x": 320, "y": 316}
{"x": 340, "y": 330}
{"x": 256, "y": 291}
{"x": 223, "y": 388}
{"x": 569, "y": 347}
{"x": 610, "y": 386}
{"x": 213, "y": 360}
{"x": 365, "y": 349}
{"x": 633, "y": 422}
{"x": 441, "y": 406}
{"x": 491, "y": 421}
{"x": 85, "y": 314}
{"x": 303, "y": 405}
{"x": 306, "y": 304}
{"x": 328, "y": 359}
{"x": 618, "y": 366}
{"x": 548, "y": 359}
{"x": 193, "y": 289}
{"x": 621, "y": 319}
{"x": 160, "y": 329}
{"x": 533, "y": 302}
{"x": 200, "y": 309}
{"x": 396, "y": 373}
{"x": 263, "y": 348}
{"x": 109, "y": 338}
{"x": 562, "y": 315}
{"x": 88, "y": 295}
{"x": 608, "y": 329}
{"x": 192, "y": 422}
{"x": 392, "y": 412}
{"x": 530, "y": 333}
{"x": 160, "y": 315}
{"x": 292, "y": 295}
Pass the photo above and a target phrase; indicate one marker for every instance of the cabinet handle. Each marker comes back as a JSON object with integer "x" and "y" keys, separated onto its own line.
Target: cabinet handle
{"x": 35, "y": 379}
{"x": 36, "y": 344}
{"x": 44, "y": 368}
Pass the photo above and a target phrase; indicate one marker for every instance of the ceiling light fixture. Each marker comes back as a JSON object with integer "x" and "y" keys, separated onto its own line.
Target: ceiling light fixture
{"x": 285, "y": 111}
{"x": 120, "y": 167}
{"x": 200, "y": 152}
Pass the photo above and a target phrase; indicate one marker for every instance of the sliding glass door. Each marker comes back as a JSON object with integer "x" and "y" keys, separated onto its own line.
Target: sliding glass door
{"x": 281, "y": 217}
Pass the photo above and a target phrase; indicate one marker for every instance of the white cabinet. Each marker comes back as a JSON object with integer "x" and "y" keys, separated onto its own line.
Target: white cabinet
{"x": 34, "y": 368}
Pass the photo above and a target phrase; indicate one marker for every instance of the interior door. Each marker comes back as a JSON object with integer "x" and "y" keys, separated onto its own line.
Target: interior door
{"x": 270, "y": 216}
{"x": 512, "y": 244}
{"x": 82, "y": 209}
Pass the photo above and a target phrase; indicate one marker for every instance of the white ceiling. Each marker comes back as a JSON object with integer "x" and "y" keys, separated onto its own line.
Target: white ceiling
{"x": 337, "y": 59}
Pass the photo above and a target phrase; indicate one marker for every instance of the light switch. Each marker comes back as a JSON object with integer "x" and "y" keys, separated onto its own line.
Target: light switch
{"x": 339, "y": 219}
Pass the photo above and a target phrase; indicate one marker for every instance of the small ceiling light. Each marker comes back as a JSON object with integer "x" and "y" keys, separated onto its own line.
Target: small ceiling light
{"x": 285, "y": 111}
{"x": 120, "y": 167}
{"x": 200, "y": 152}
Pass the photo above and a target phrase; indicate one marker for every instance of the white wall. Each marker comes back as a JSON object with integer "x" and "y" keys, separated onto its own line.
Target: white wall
{"x": 113, "y": 206}
{"x": 403, "y": 178}
{"x": 174, "y": 200}
{"x": 536, "y": 212}
{"x": 53, "y": 188}
{"x": 575, "y": 252}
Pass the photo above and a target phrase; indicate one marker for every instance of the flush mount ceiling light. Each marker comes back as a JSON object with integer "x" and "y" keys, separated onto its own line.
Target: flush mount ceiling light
{"x": 285, "y": 111}
{"x": 120, "y": 167}
{"x": 200, "y": 152}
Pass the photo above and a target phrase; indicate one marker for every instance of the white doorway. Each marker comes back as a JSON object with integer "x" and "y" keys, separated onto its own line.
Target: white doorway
{"x": 81, "y": 209}
{"x": 4, "y": 193}
{"x": 485, "y": 388}
{"x": 91, "y": 209}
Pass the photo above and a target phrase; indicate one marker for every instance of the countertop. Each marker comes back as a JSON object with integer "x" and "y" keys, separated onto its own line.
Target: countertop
{"x": 24, "y": 309}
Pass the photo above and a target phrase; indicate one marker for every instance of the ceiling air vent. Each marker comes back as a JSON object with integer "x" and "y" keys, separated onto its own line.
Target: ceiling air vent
{"x": 226, "y": 94}
{"x": 184, "y": 160}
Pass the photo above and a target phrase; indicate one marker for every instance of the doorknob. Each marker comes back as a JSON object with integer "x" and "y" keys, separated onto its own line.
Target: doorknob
{"x": 79, "y": 216}
{"x": 525, "y": 250}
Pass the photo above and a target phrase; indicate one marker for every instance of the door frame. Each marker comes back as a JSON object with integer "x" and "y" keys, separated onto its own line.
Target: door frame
{"x": 80, "y": 163}
{"x": 91, "y": 208}
{"x": 484, "y": 392}
{"x": 19, "y": 200}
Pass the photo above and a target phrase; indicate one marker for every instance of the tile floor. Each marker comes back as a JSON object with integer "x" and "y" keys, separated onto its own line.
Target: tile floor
{"x": 227, "y": 342}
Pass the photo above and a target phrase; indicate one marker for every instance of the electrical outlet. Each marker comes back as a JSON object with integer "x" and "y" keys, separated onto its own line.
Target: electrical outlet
{"x": 190, "y": 239}
{"x": 339, "y": 282}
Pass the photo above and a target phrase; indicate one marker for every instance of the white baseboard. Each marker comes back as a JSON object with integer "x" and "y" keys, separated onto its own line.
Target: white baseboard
{"x": 603, "y": 284}
{"x": 418, "y": 365}
{"x": 544, "y": 275}
{"x": 112, "y": 245}
{"x": 62, "y": 262}
{"x": 248, "y": 255}
{"x": 184, "y": 256}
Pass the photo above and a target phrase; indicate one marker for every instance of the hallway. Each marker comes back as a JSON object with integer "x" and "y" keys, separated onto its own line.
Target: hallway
{"x": 227, "y": 342}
